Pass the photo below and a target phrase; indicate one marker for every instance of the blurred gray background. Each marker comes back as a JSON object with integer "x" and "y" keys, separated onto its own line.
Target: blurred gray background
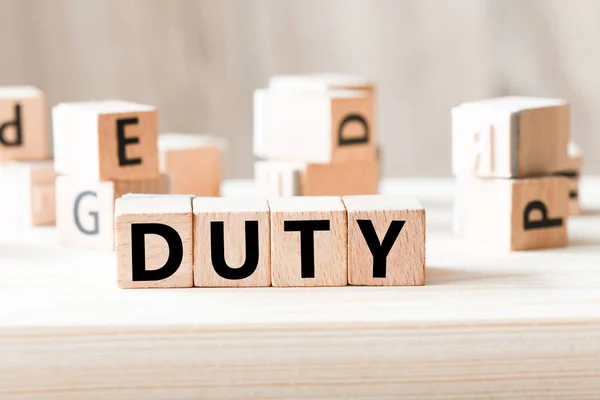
{"x": 200, "y": 60}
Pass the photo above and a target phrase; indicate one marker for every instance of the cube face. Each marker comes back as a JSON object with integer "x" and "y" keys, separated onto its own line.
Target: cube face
{"x": 193, "y": 169}
{"x": 512, "y": 137}
{"x": 543, "y": 140}
{"x": 352, "y": 129}
{"x": 85, "y": 209}
{"x": 308, "y": 242}
{"x": 386, "y": 241}
{"x": 23, "y": 135}
{"x": 128, "y": 146}
{"x": 313, "y": 126}
{"x": 84, "y": 213}
{"x": 153, "y": 242}
{"x": 231, "y": 242}
{"x": 540, "y": 211}
{"x": 115, "y": 140}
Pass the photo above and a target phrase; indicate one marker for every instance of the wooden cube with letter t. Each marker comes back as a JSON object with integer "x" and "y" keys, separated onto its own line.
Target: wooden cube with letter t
{"x": 314, "y": 126}
{"x": 106, "y": 140}
{"x": 85, "y": 208}
{"x": 386, "y": 240}
{"x": 308, "y": 241}
{"x": 231, "y": 242}
{"x": 153, "y": 241}
{"x": 510, "y": 137}
{"x": 514, "y": 214}
{"x": 23, "y": 135}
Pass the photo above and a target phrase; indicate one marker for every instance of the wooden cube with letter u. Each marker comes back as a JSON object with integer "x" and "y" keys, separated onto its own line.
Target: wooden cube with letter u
{"x": 514, "y": 214}
{"x": 106, "y": 140}
{"x": 314, "y": 126}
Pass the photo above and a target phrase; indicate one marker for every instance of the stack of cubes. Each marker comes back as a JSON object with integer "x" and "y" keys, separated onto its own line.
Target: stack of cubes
{"x": 102, "y": 150}
{"x": 26, "y": 170}
{"x": 316, "y": 135}
{"x": 507, "y": 157}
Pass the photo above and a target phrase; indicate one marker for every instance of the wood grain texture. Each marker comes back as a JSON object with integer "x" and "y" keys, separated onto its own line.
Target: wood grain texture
{"x": 85, "y": 209}
{"x": 488, "y": 324}
{"x": 174, "y": 211}
{"x": 330, "y": 243}
{"x": 233, "y": 213}
{"x": 405, "y": 262}
{"x": 32, "y": 143}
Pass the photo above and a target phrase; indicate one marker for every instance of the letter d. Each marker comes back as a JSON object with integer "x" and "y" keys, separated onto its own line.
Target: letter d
{"x": 138, "y": 251}
{"x": 17, "y": 124}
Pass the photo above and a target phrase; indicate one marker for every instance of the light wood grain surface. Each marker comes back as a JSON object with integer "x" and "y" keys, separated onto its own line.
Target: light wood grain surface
{"x": 200, "y": 60}
{"x": 488, "y": 324}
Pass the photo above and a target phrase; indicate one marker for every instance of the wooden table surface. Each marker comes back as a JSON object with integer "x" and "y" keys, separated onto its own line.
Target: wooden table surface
{"x": 487, "y": 325}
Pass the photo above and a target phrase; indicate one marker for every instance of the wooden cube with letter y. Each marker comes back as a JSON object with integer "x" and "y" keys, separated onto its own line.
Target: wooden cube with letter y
{"x": 106, "y": 140}
{"x": 314, "y": 126}
{"x": 153, "y": 241}
{"x": 23, "y": 135}
{"x": 514, "y": 214}
{"x": 386, "y": 240}
{"x": 510, "y": 137}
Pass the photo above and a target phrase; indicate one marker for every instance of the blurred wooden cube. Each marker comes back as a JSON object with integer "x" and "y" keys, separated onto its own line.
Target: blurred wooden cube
{"x": 514, "y": 214}
{"x": 280, "y": 178}
{"x": 85, "y": 209}
{"x": 314, "y": 126}
{"x": 23, "y": 135}
{"x": 192, "y": 162}
{"x": 106, "y": 140}
{"x": 27, "y": 194}
{"x": 510, "y": 137}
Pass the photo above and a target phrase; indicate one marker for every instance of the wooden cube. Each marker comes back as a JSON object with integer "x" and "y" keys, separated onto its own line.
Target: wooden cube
{"x": 386, "y": 240}
{"x": 106, "y": 140}
{"x": 308, "y": 241}
{"x": 85, "y": 209}
{"x": 23, "y": 135}
{"x": 27, "y": 194}
{"x": 281, "y": 178}
{"x": 193, "y": 163}
{"x": 510, "y": 137}
{"x": 153, "y": 241}
{"x": 314, "y": 126}
{"x": 514, "y": 214}
{"x": 231, "y": 242}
